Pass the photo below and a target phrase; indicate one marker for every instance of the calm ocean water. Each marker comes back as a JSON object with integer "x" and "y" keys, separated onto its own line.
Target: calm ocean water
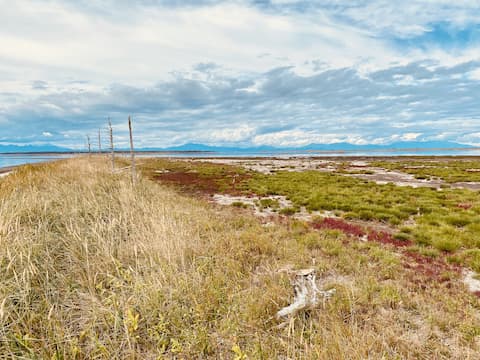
{"x": 7, "y": 160}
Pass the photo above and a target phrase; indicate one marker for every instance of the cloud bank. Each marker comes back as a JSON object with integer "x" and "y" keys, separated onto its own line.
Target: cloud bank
{"x": 278, "y": 72}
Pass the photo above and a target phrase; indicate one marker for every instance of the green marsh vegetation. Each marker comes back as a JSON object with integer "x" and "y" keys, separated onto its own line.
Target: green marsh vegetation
{"x": 446, "y": 220}
{"x": 450, "y": 170}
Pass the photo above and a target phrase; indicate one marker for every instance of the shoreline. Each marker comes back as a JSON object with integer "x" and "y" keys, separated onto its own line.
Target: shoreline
{"x": 337, "y": 157}
{"x": 4, "y": 171}
{"x": 290, "y": 157}
{"x": 374, "y": 153}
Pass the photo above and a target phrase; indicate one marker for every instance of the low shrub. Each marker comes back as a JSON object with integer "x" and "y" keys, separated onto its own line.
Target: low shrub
{"x": 240, "y": 204}
{"x": 402, "y": 236}
{"x": 446, "y": 244}
{"x": 288, "y": 211}
{"x": 457, "y": 220}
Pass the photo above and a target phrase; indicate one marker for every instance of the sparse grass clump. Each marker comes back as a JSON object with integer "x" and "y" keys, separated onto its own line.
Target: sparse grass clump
{"x": 472, "y": 259}
{"x": 289, "y": 210}
{"x": 425, "y": 251}
{"x": 240, "y": 204}
{"x": 402, "y": 236}
{"x": 447, "y": 244}
{"x": 269, "y": 203}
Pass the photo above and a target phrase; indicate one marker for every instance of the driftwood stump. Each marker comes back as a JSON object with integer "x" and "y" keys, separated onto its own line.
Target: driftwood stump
{"x": 306, "y": 293}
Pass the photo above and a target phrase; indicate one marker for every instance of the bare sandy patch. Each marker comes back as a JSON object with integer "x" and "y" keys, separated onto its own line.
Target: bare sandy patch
{"x": 466, "y": 185}
{"x": 382, "y": 176}
{"x": 470, "y": 281}
{"x": 270, "y": 166}
{"x": 254, "y": 202}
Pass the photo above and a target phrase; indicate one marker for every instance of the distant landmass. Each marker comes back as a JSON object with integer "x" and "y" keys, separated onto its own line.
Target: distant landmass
{"x": 342, "y": 146}
{"x": 32, "y": 148}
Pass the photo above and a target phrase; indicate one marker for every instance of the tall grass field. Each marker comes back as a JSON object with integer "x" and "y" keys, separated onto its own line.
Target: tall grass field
{"x": 94, "y": 267}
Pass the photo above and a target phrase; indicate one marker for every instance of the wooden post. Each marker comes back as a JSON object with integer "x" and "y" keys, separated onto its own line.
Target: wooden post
{"x": 111, "y": 144}
{"x": 132, "y": 151}
{"x": 99, "y": 143}
{"x": 89, "y": 145}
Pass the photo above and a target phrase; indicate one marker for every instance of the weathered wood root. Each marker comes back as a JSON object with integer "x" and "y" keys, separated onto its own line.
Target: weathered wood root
{"x": 306, "y": 294}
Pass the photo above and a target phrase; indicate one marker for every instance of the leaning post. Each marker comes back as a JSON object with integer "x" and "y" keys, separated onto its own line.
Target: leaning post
{"x": 132, "y": 151}
{"x": 89, "y": 145}
{"x": 111, "y": 144}
{"x": 99, "y": 143}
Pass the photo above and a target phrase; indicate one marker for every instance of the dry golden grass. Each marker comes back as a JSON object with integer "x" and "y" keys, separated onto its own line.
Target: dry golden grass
{"x": 92, "y": 267}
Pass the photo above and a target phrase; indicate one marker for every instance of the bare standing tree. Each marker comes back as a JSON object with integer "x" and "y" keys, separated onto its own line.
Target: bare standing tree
{"x": 132, "y": 151}
{"x": 111, "y": 144}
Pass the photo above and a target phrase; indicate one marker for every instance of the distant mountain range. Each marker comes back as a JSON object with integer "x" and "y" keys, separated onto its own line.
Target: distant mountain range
{"x": 32, "y": 148}
{"x": 343, "y": 146}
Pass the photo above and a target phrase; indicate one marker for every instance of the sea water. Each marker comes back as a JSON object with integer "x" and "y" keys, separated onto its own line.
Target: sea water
{"x": 7, "y": 160}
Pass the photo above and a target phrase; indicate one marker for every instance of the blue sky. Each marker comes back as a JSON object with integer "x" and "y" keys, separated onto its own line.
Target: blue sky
{"x": 252, "y": 72}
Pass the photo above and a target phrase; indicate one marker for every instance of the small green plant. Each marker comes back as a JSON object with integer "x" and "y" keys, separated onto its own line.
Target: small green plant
{"x": 472, "y": 258}
{"x": 288, "y": 211}
{"x": 425, "y": 251}
{"x": 429, "y": 252}
{"x": 457, "y": 220}
{"x": 390, "y": 296}
{"x": 402, "y": 236}
{"x": 446, "y": 244}
{"x": 269, "y": 203}
{"x": 239, "y": 354}
{"x": 240, "y": 204}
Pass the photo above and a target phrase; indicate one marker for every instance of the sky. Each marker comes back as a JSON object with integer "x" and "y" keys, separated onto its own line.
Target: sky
{"x": 240, "y": 72}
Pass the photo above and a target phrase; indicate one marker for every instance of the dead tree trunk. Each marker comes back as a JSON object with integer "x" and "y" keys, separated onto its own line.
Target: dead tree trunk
{"x": 132, "y": 151}
{"x": 111, "y": 144}
{"x": 306, "y": 293}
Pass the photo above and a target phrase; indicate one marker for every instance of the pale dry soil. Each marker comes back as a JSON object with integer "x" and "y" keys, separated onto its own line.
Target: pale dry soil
{"x": 471, "y": 281}
{"x": 270, "y": 166}
{"x": 253, "y": 202}
{"x": 5, "y": 171}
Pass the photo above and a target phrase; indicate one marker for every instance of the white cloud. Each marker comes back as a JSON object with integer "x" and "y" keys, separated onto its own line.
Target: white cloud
{"x": 475, "y": 74}
{"x": 47, "y": 134}
{"x": 231, "y": 135}
{"x": 287, "y": 138}
{"x": 297, "y": 138}
{"x": 411, "y": 17}
{"x": 410, "y": 136}
{"x": 138, "y": 44}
